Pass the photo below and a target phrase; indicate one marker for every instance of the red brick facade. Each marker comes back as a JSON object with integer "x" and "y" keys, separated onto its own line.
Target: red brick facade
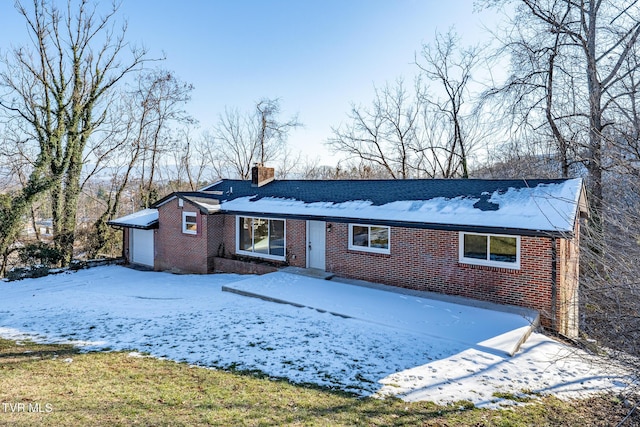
{"x": 216, "y": 238}
{"x": 179, "y": 252}
{"x": 428, "y": 260}
{"x": 297, "y": 243}
{"x": 568, "y": 252}
{"x": 126, "y": 244}
{"x": 419, "y": 259}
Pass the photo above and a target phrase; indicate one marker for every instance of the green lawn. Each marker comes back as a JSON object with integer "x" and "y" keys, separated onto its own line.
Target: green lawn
{"x": 64, "y": 387}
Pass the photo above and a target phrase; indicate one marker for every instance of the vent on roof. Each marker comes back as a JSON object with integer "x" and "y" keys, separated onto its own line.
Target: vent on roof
{"x": 485, "y": 205}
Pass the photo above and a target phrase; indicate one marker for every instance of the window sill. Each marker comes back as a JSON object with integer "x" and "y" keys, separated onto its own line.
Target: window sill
{"x": 261, "y": 256}
{"x": 490, "y": 267}
{"x": 385, "y": 254}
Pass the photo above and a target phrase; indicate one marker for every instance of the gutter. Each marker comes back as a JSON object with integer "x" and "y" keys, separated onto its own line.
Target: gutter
{"x": 124, "y": 249}
{"x": 150, "y": 226}
{"x": 407, "y": 224}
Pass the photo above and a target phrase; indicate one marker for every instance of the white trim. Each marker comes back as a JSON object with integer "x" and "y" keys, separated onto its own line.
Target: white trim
{"x": 310, "y": 251}
{"x": 488, "y": 262}
{"x": 184, "y": 222}
{"x": 306, "y": 244}
{"x": 369, "y": 248}
{"x": 258, "y": 254}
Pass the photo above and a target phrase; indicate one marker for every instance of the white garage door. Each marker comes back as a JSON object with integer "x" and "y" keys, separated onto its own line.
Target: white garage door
{"x": 142, "y": 246}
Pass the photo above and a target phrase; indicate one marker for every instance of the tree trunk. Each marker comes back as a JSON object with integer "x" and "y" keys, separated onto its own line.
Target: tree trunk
{"x": 594, "y": 165}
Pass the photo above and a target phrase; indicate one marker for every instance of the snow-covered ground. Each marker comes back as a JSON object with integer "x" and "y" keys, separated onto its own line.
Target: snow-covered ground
{"x": 188, "y": 318}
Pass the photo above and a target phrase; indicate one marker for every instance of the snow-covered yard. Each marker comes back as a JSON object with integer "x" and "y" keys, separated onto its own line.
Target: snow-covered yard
{"x": 188, "y": 318}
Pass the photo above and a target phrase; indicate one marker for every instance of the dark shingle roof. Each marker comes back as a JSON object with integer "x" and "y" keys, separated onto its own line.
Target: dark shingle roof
{"x": 527, "y": 207}
{"x": 379, "y": 192}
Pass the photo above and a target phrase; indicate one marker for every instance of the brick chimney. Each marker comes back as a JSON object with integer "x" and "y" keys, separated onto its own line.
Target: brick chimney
{"x": 261, "y": 175}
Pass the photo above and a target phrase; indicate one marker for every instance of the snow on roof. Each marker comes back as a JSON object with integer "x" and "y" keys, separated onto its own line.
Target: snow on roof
{"x": 546, "y": 207}
{"x": 145, "y": 218}
{"x": 207, "y": 204}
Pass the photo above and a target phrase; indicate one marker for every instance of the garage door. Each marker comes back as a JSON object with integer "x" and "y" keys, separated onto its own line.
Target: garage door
{"x": 142, "y": 246}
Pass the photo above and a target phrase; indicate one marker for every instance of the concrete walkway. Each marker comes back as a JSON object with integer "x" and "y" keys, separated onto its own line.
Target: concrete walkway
{"x": 488, "y": 327}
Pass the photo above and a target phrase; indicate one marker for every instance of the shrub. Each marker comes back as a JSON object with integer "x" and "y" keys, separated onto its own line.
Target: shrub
{"x": 40, "y": 253}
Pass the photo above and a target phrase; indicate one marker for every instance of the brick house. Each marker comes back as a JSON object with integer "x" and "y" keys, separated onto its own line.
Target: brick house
{"x": 511, "y": 242}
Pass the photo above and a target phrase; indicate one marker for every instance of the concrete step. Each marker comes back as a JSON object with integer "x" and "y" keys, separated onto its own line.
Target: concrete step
{"x": 309, "y": 272}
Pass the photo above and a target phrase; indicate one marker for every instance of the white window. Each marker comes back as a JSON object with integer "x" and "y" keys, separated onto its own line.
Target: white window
{"x": 261, "y": 237}
{"x": 189, "y": 222}
{"x": 370, "y": 238}
{"x": 490, "y": 249}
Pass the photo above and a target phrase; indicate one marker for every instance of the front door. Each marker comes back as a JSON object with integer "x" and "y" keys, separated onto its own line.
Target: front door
{"x": 316, "y": 242}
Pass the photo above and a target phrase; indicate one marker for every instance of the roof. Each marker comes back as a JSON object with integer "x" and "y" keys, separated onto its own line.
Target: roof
{"x": 206, "y": 202}
{"x": 534, "y": 207}
{"x": 144, "y": 219}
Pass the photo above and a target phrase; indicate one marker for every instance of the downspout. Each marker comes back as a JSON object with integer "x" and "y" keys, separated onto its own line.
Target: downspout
{"x": 554, "y": 284}
{"x": 124, "y": 255}
{"x": 125, "y": 248}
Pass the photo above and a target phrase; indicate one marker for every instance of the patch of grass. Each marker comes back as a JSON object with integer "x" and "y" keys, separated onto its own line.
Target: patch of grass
{"x": 521, "y": 397}
{"x": 463, "y": 405}
{"x": 117, "y": 389}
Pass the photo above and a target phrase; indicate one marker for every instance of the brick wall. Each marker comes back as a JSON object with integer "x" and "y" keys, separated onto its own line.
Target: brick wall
{"x": 216, "y": 245}
{"x": 295, "y": 236}
{"x": 126, "y": 245}
{"x": 228, "y": 235}
{"x": 184, "y": 253}
{"x": 428, "y": 260}
{"x": 419, "y": 259}
{"x": 228, "y": 265}
{"x": 568, "y": 282}
{"x": 297, "y": 243}
{"x": 175, "y": 250}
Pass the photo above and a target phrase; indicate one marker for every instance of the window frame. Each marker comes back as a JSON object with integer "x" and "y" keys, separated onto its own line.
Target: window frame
{"x": 259, "y": 254}
{"x": 368, "y": 248}
{"x": 185, "y": 230}
{"x": 488, "y": 262}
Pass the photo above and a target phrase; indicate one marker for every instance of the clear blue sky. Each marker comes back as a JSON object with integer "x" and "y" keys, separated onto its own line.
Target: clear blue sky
{"x": 318, "y": 56}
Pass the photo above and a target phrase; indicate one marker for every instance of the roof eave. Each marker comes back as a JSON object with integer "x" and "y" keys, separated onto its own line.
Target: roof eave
{"x": 179, "y": 195}
{"x": 409, "y": 224}
{"x": 150, "y": 226}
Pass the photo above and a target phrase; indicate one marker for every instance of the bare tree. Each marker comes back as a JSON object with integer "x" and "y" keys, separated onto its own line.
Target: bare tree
{"x": 150, "y": 109}
{"x": 288, "y": 163}
{"x": 420, "y": 132}
{"x": 241, "y": 139}
{"x": 161, "y": 96}
{"x": 272, "y": 131}
{"x": 609, "y": 287}
{"x": 385, "y": 134}
{"x": 187, "y": 165}
{"x": 450, "y": 67}
{"x": 234, "y": 144}
{"x": 539, "y": 96}
{"x": 59, "y": 90}
{"x": 588, "y": 46}
{"x": 574, "y": 82}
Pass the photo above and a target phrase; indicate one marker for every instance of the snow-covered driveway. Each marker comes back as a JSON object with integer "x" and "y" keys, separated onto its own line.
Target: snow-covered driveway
{"x": 491, "y": 327}
{"x": 188, "y": 318}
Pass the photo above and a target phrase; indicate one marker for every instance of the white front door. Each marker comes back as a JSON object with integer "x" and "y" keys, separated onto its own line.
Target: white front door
{"x": 316, "y": 242}
{"x": 141, "y": 246}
